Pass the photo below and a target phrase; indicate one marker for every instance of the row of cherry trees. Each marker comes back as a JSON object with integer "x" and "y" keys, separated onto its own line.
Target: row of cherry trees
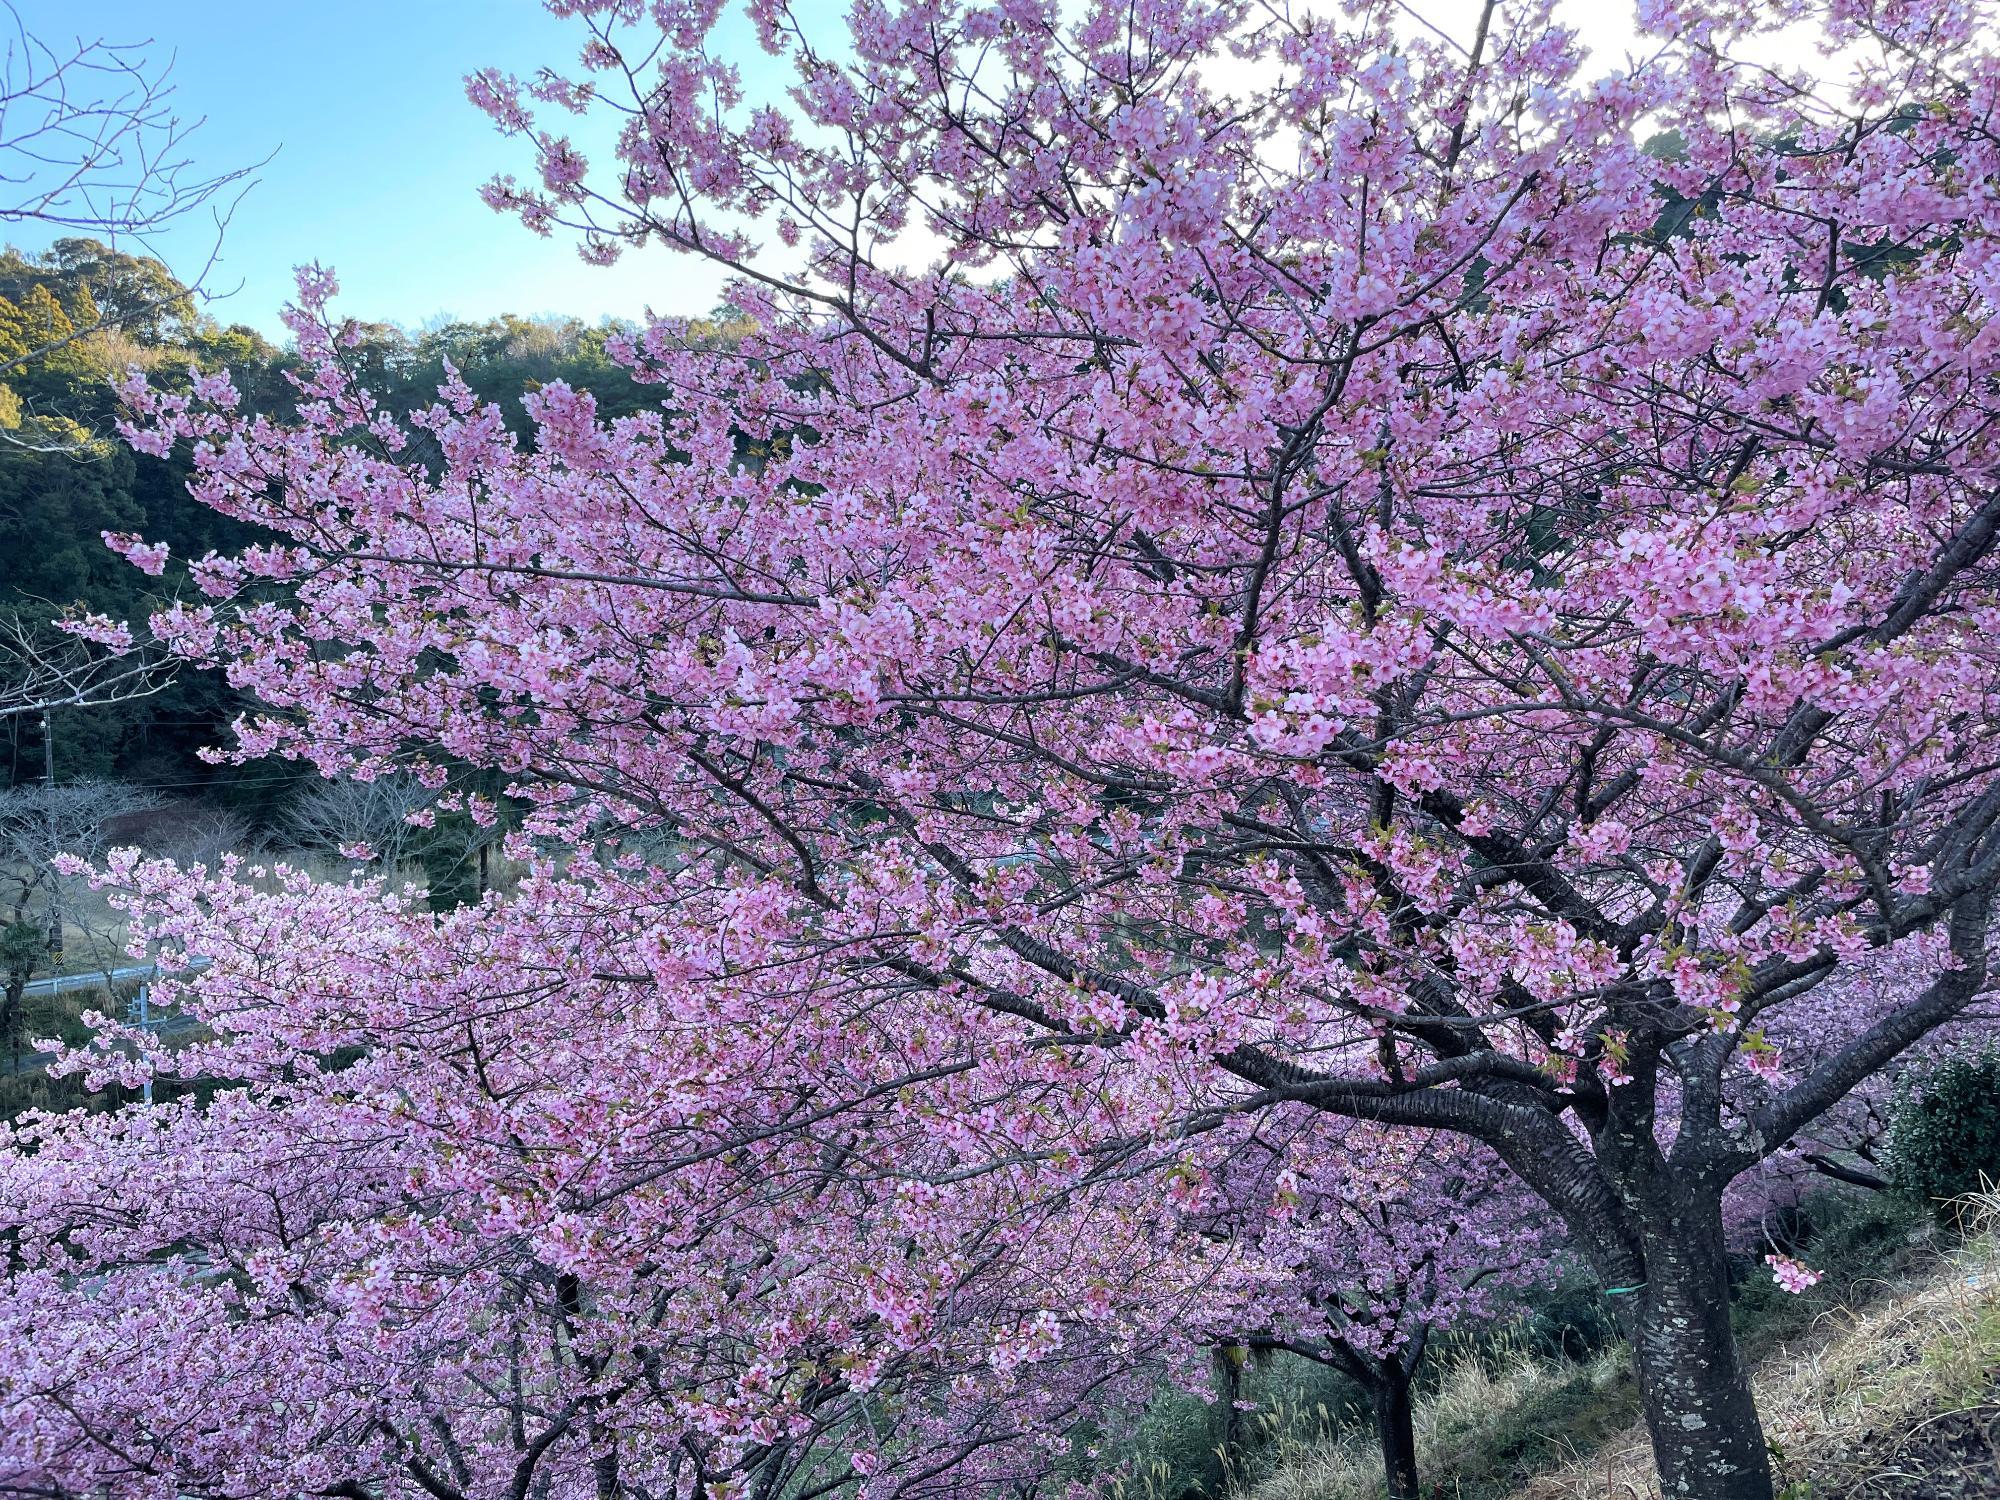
{"x": 1308, "y": 604}
{"x": 546, "y": 1239}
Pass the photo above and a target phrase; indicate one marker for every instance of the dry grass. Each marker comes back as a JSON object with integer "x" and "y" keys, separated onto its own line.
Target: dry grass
{"x": 1481, "y": 1408}
{"x": 1856, "y": 1385}
{"x": 1860, "y": 1383}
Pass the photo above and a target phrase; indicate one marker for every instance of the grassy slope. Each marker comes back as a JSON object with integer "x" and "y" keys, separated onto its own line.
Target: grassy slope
{"x": 1886, "y": 1385}
{"x": 1492, "y": 1418}
{"x": 1896, "y": 1397}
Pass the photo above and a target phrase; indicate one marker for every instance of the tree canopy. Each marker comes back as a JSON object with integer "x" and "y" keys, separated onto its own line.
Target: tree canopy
{"x": 1239, "y": 566}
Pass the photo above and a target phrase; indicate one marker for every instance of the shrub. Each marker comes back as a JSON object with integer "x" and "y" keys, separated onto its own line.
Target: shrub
{"x": 1944, "y": 1128}
{"x": 1570, "y": 1319}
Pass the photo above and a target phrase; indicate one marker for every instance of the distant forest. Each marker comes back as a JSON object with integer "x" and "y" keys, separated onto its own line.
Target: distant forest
{"x": 74, "y": 318}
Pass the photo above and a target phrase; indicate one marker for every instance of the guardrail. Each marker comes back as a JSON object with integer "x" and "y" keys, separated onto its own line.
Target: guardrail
{"x": 100, "y": 979}
{"x": 138, "y": 1010}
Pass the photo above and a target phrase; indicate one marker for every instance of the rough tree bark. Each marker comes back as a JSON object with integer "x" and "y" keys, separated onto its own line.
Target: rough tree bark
{"x": 1395, "y": 1429}
{"x": 1693, "y": 1390}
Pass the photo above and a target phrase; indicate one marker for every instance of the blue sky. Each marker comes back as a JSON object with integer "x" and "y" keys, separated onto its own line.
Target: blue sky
{"x": 378, "y": 156}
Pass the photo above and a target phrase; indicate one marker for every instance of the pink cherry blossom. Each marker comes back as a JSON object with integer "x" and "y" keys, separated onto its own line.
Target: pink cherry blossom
{"x": 1791, "y": 1275}
{"x": 1431, "y": 594}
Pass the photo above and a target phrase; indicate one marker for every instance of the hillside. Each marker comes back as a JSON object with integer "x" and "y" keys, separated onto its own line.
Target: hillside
{"x": 1898, "y": 1397}
{"x": 1889, "y": 1392}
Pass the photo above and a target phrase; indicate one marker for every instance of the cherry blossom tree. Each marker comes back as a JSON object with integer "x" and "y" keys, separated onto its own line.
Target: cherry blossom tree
{"x": 1287, "y": 562}
{"x": 1368, "y": 1241}
{"x": 519, "y": 1257}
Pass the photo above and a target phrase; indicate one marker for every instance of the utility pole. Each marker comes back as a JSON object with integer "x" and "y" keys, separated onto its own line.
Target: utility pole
{"x": 49, "y": 791}
{"x": 146, "y": 1024}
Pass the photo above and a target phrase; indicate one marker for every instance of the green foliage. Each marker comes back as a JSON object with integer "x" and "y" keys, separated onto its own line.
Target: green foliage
{"x": 133, "y": 293}
{"x": 1944, "y": 1128}
{"x": 22, "y": 946}
{"x": 29, "y": 1086}
{"x": 1668, "y": 145}
{"x": 1175, "y": 1452}
{"x": 74, "y": 317}
{"x": 1571, "y": 1319}
{"x": 54, "y": 505}
{"x": 500, "y": 359}
{"x": 1851, "y": 1236}
{"x": 1577, "y": 1408}
{"x": 451, "y": 861}
{"x": 1173, "y": 1455}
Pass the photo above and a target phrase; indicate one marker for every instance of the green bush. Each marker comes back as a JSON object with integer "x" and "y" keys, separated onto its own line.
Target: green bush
{"x": 1944, "y": 1128}
{"x": 1569, "y": 1319}
{"x": 1174, "y": 1450}
{"x": 1855, "y": 1239}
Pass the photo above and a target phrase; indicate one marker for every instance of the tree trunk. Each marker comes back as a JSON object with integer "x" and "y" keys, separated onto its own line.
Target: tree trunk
{"x": 1228, "y": 1360}
{"x": 1651, "y": 1223}
{"x": 1393, "y": 1426}
{"x": 12, "y": 1011}
{"x": 1707, "y": 1441}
